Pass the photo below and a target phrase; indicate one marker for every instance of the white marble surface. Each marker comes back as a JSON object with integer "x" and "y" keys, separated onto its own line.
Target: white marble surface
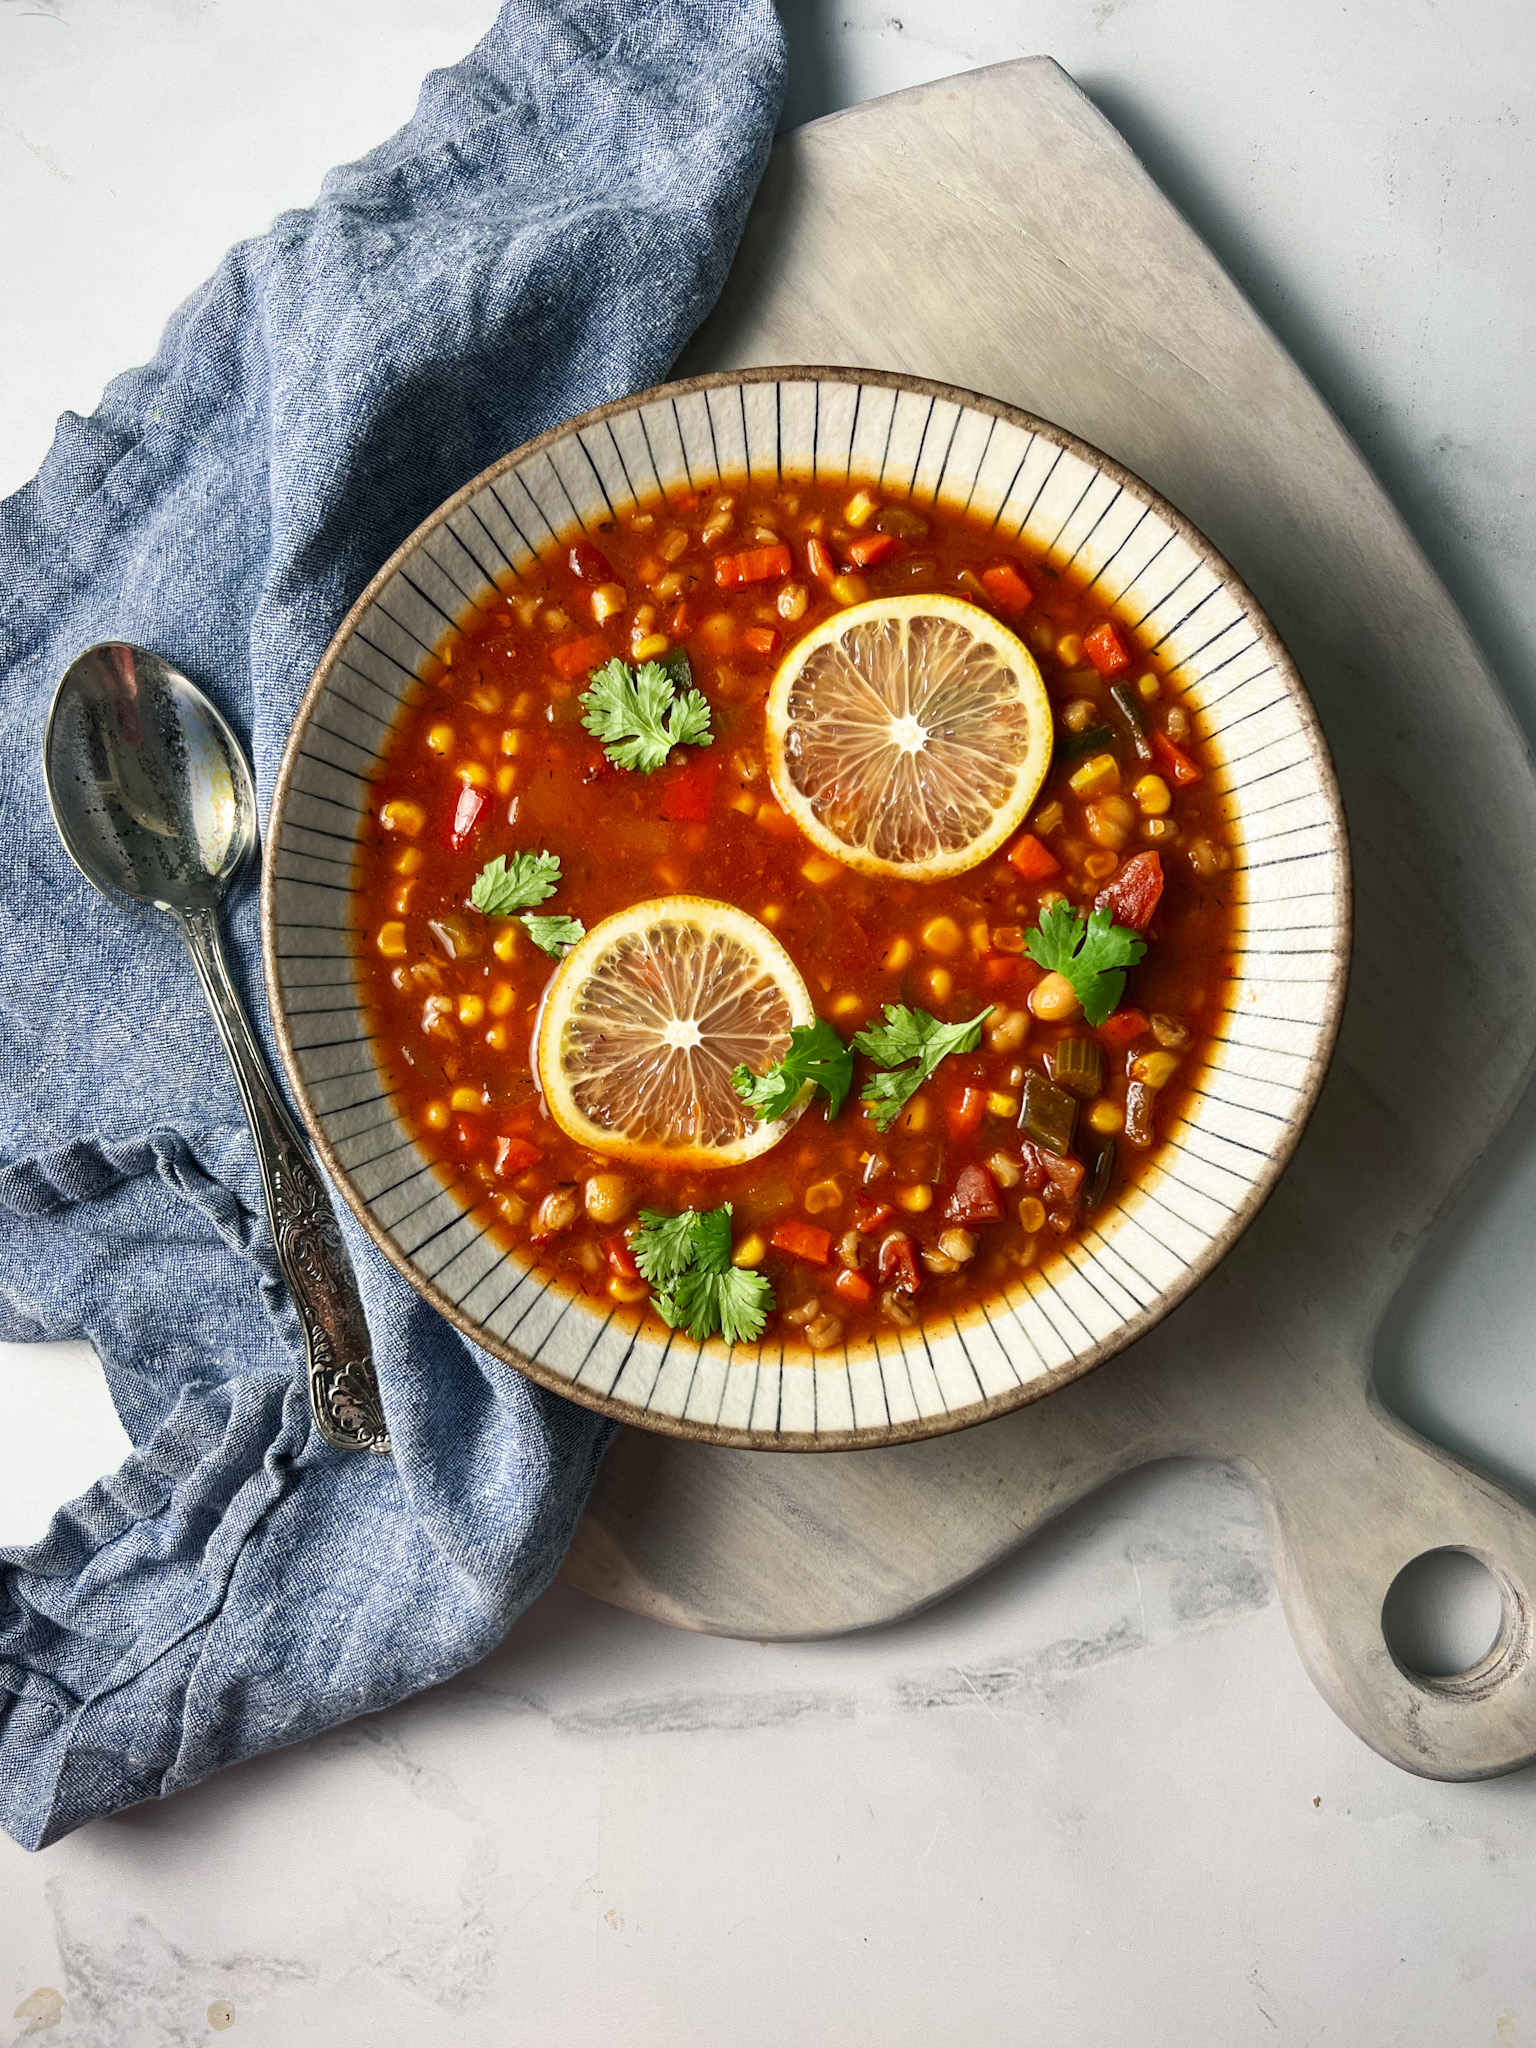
{"x": 1094, "y": 1796}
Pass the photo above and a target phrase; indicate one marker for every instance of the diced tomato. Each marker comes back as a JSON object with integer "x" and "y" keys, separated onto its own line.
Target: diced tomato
{"x": 868, "y": 1215}
{"x": 515, "y": 1156}
{"x": 621, "y": 1258}
{"x": 1133, "y": 895}
{"x": 466, "y": 816}
{"x": 965, "y": 1113}
{"x": 1174, "y": 761}
{"x": 1006, "y": 587}
{"x": 1124, "y": 1027}
{"x": 898, "y": 1262}
{"x": 688, "y": 792}
{"x": 853, "y": 1287}
{"x": 760, "y": 639}
{"x": 1106, "y": 650}
{"x": 1032, "y": 858}
{"x": 590, "y": 563}
{"x": 802, "y": 1241}
{"x": 869, "y": 549}
{"x": 975, "y": 1198}
{"x": 753, "y": 565}
{"x": 569, "y": 661}
{"x": 1065, "y": 1175}
{"x": 818, "y": 559}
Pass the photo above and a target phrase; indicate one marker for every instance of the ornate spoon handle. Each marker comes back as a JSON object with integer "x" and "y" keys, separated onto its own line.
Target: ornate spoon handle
{"x": 343, "y": 1391}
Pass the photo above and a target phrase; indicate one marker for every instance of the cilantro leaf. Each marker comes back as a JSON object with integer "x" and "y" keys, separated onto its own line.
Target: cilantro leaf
{"x": 555, "y": 935}
{"x": 816, "y": 1054}
{"x": 641, "y": 714}
{"x": 1092, "y": 956}
{"x": 687, "y": 1261}
{"x": 503, "y": 885}
{"x": 909, "y": 1036}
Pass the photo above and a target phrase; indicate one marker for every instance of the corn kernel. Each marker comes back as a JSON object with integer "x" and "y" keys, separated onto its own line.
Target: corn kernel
{"x": 498, "y": 1038}
{"x": 823, "y": 1194}
{"x": 392, "y": 941}
{"x": 847, "y": 1006}
{"x": 408, "y": 861}
{"x": 506, "y": 779}
{"x": 980, "y": 937}
{"x": 941, "y": 984}
{"x": 1098, "y": 776}
{"x": 674, "y": 545}
{"x": 511, "y": 740}
{"x": 1105, "y": 1118}
{"x": 942, "y": 935}
{"x": 466, "y": 1100}
{"x": 403, "y": 895}
{"x": 1153, "y": 796}
{"x": 512, "y": 1208}
{"x": 1154, "y": 1069}
{"x": 608, "y": 600}
{"x": 861, "y": 508}
{"x": 915, "y": 1199}
{"x": 649, "y": 646}
{"x": 403, "y": 816}
{"x": 504, "y": 945}
{"x": 471, "y": 1009}
{"x": 1069, "y": 650}
{"x": 440, "y": 738}
{"x": 999, "y": 1104}
{"x": 486, "y": 698}
{"x": 897, "y": 955}
{"x": 1148, "y": 686}
{"x": 849, "y": 589}
{"x": 772, "y": 913}
{"x": 818, "y": 870}
{"x": 435, "y": 1116}
{"x": 627, "y": 1291}
{"x": 1031, "y": 1214}
{"x": 473, "y": 774}
{"x": 501, "y": 999}
{"x": 746, "y": 803}
{"x": 752, "y": 1250}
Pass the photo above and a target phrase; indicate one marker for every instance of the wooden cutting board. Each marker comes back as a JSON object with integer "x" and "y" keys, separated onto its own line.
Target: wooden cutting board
{"x": 994, "y": 231}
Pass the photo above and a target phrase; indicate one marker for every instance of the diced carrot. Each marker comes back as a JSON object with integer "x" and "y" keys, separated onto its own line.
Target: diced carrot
{"x": 621, "y": 1258}
{"x": 853, "y": 1287}
{"x": 760, "y": 639}
{"x": 1133, "y": 895}
{"x": 803, "y": 1241}
{"x": 1175, "y": 761}
{"x": 515, "y": 1156}
{"x": 1106, "y": 650}
{"x": 869, "y": 549}
{"x": 466, "y": 815}
{"x": 1032, "y": 858}
{"x": 590, "y": 563}
{"x": 868, "y": 1215}
{"x": 975, "y": 1198}
{"x": 965, "y": 1113}
{"x": 819, "y": 560}
{"x": 1123, "y": 1027}
{"x": 1002, "y": 967}
{"x": 898, "y": 1262}
{"x": 569, "y": 661}
{"x": 1006, "y": 587}
{"x": 753, "y": 565}
{"x": 689, "y": 791}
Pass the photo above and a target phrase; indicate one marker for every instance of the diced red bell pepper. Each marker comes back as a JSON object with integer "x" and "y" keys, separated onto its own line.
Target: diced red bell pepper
{"x": 965, "y": 1112}
{"x": 853, "y": 1287}
{"x": 1133, "y": 895}
{"x": 869, "y": 1215}
{"x": 820, "y": 562}
{"x": 870, "y": 549}
{"x": 752, "y": 565}
{"x": 1006, "y": 587}
{"x": 1174, "y": 762}
{"x": 576, "y": 655}
{"x": 760, "y": 639}
{"x": 466, "y": 816}
{"x": 975, "y": 1198}
{"x": 515, "y": 1156}
{"x": 1032, "y": 858}
{"x": 1123, "y": 1027}
{"x": 898, "y": 1262}
{"x": 802, "y": 1241}
{"x": 1106, "y": 650}
{"x": 689, "y": 791}
{"x": 621, "y": 1258}
{"x": 590, "y": 563}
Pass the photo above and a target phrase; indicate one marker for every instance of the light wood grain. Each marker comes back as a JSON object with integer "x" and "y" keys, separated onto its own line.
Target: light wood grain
{"x": 995, "y": 232}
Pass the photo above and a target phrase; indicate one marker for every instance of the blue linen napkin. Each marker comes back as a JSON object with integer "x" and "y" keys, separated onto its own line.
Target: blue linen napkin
{"x": 543, "y": 235}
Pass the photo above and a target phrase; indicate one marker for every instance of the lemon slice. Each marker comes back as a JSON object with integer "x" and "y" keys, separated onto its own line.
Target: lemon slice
{"x": 648, "y": 1018}
{"x": 909, "y": 736}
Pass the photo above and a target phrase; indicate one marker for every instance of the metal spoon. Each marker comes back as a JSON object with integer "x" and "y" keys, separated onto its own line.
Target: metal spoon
{"x": 153, "y": 797}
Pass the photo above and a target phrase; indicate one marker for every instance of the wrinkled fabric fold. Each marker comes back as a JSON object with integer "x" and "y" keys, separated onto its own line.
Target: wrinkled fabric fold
{"x": 542, "y": 236}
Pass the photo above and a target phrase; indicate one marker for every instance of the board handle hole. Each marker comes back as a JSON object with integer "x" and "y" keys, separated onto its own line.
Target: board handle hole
{"x": 1454, "y": 1622}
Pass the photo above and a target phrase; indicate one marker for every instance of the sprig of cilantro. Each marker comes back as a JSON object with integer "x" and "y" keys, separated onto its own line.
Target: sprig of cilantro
{"x": 555, "y": 935}
{"x": 506, "y": 885}
{"x": 641, "y": 714}
{"x": 1093, "y": 955}
{"x": 815, "y": 1054}
{"x": 686, "y": 1260}
{"x": 915, "y": 1036}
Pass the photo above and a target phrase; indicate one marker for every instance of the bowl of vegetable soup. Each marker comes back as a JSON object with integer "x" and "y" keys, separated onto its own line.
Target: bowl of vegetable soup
{"x": 806, "y": 908}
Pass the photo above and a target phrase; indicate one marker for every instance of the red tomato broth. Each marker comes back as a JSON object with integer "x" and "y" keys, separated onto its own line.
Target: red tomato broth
{"x": 454, "y": 1008}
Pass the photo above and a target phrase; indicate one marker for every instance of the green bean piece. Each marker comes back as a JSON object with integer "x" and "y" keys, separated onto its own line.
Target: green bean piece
{"x": 1071, "y": 744}
{"x": 1100, "y": 1175}
{"x": 1078, "y": 1064}
{"x": 1129, "y": 708}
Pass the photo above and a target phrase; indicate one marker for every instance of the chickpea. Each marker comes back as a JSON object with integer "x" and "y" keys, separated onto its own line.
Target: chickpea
{"x": 1005, "y": 1171}
{"x": 938, "y": 1261}
{"x": 958, "y": 1245}
{"x": 1053, "y": 999}
{"x": 1109, "y": 821}
{"x": 1006, "y": 1030}
{"x": 896, "y": 1304}
{"x": 607, "y": 1197}
{"x": 556, "y": 1212}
